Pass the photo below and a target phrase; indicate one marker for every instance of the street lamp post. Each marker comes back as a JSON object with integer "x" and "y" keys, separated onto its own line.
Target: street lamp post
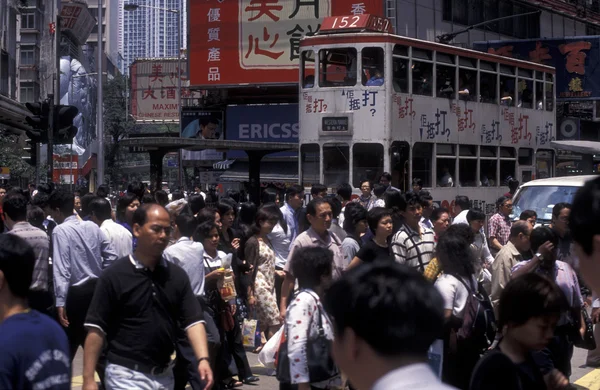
{"x": 100, "y": 106}
{"x": 133, "y": 7}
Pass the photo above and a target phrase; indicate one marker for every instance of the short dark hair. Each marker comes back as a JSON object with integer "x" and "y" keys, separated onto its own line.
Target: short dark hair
{"x": 475, "y": 215}
{"x": 585, "y": 215}
{"x": 15, "y": 206}
{"x": 316, "y": 189}
{"x": 40, "y": 200}
{"x": 85, "y": 204}
{"x": 336, "y": 206}
{"x": 148, "y": 199}
{"x": 62, "y": 200}
{"x": 540, "y": 235}
{"x": 100, "y": 207}
{"x": 196, "y": 202}
{"x": 36, "y": 217}
{"x": 203, "y": 230}
{"x": 379, "y": 190}
{"x": 454, "y": 251}
{"x": 513, "y": 184}
{"x": 436, "y": 214}
{"x": 162, "y": 198}
{"x": 122, "y": 203}
{"x": 311, "y": 208}
{"x": 177, "y": 194}
{"x": 425, "y": 198}
{"x": 529, "y": 296}
{"x": 207, "y": 214}
{"x": 412, "y": 200}
{"x": 310, "y": 264}
{"x": 559, "y": 207}
{"x": 375, "y": 215}
{"x": 102, "y": 191}
{"x": 345, "y": 191}
{"x": 525, "y": 215}
{"x": 247, "y": 213}
{"x": 293, "y": 190}
{"x": 16, "y": 263}
{"x": 186, "y": 224}
{"x": 353, "y": 214}
{"x": 463, "y": 202}
{"x": 518, "y": 228}
{"x": 137, "y": 188}
{"x": 417, "y": 182}
{"x": 140, "y": 216}
{"x": 405, "y": 312}
{"x": 387, "y": 176}
{"x": 394, "y": 200}
{"x": 501, "y": 200}
{"x": 226, "y": 205}
{"x": 269, "y": 195}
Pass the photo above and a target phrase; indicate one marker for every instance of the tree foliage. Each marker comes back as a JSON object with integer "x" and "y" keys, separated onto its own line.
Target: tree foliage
{"x": 11, "y": 155}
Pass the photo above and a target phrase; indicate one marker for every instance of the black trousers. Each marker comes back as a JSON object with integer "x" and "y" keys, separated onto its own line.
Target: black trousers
{"x": 232, "y": 345}
{"x": 77, "y": 304}
{"x": 42, "y": 301}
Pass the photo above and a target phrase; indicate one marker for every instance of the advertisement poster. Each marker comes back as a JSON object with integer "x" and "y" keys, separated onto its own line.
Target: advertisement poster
{"x": 202, "y": 124}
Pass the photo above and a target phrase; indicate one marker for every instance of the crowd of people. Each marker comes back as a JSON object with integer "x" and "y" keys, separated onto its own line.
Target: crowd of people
{"x": 355, "y": 290}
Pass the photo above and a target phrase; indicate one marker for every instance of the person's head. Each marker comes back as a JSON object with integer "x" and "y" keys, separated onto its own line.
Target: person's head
{"x": 185, "y": 225}
{"x": 344, "y": 191}
{"x": 505, "y": 205}
{"x": 16, "y": 270}
{"x": 530, "y": 306}
{"x": 319, "y": 215}
{"x": 267, "y": 217}
{"x": 294, "y": 196}
{"x": 102, "y": 191}
{"x": 100, "y": 210}
{"x": 379, "y": 190}
{"x": 162, "y": 198}
{"x": 85, "y": 204}
{"x": 530, "y": 216}
{"x": 318, "y": 191}
{"x": 413, "y": 211}
{"x": 461, "y": 203}
{"x": 385, "y": 179}
{"x": 228, "y": 211}
{"x": 2, "y": 193}
{"x": 427, "y": 203}
{"x": 196, "y": 203}
{"x": 538, "y": 237}
{"x": 152, "y": 228}
{"x": 247, "y": 214}
{"x": 520, "y": 235}
{"x": 394, "y": 200}
{"x": 61, "y": 204}
{"x": 560, "y": 218}
{"x": 77, "y": 203}
{"x": 210, "y": 214}
{"x": 313, "y": 268}
{"x": 41, "y": 200}
{"x": 513, "y": 185}
{"x": 454, "y": 252}
{"x": 36, "y": 217}
{"x": 209, "y": 124}
{"x": 137, "y": 188}
{"x": 148, "y": 198}
{"x": 126, "y": 206}
{"x": 234, "y": 195}
{"x": 380, "y": 222}
{"x": 440, "y": 218}
{"x": 15, "y": 209}
{"x": 476, "y": 219}
{"x": 355, "y": 219}
{"x": 384, "y": 314}
{"x": 417, "y": 184}
{"x": 207, "y": 233}
{"x": 336, "y": 206}
{"x": 365, "y": 188}
{"x": 177, "y": 194}
{"x": 270, "y": 195}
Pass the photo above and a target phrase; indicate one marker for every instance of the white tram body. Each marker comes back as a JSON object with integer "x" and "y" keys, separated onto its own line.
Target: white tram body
{"x": 460, "y": 120}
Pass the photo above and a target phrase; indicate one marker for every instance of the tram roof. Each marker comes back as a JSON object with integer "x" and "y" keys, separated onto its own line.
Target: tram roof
{"x": 152, "y": 143}
{"x": 370, "y": 37}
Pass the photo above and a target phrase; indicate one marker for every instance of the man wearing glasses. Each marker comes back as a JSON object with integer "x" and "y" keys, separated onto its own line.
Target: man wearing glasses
{"x": 499, "y": 225}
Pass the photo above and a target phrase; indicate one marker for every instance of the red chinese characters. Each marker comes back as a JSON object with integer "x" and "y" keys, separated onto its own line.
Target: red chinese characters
{"x": 264, "y": 7}
{"x": 254, "y": 45}
{"x": 539, "y": 54}
{"x": 505, "y": 51}
{"x": 405, "y": 109}
{"x": 575, "y": 58}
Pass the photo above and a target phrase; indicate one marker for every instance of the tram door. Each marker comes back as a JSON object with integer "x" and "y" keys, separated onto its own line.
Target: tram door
{"x": 400, "y": 165}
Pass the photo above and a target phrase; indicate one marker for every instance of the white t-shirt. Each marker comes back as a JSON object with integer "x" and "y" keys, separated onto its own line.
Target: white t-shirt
{"x": 454, "y": 292}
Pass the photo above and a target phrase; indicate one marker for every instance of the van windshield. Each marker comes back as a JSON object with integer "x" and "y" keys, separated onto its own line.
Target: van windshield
{"x": 542, "y": 199}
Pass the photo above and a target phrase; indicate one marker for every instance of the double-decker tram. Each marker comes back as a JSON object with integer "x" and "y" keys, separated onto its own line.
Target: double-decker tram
{"x": 461, "y": 121}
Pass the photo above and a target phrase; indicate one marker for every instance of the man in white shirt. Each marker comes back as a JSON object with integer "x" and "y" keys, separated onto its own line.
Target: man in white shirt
{"x": 390, "y": 352}
{"x": 119, "y": 237}
{"x": 461, "y": 207}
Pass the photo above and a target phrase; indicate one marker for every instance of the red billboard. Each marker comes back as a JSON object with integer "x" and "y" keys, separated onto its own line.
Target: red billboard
{"x": 257, "y": 41}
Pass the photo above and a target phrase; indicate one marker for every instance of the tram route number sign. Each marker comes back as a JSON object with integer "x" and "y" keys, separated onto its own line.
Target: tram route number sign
{"x": 362, "y": 22}
{"x": 336, "y": 123}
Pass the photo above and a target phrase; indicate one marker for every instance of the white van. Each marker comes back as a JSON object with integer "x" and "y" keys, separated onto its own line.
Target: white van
{"x": 541, "y": 195}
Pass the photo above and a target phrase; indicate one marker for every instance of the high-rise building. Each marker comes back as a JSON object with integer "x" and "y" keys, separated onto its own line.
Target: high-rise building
{"x": 110, "y": 32}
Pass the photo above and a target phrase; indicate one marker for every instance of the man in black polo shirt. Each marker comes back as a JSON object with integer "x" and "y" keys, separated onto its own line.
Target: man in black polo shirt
{"x": 137, "y": 306}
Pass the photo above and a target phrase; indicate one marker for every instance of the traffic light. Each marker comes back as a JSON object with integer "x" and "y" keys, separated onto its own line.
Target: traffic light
{"x": 32, "y": 149}
{"x": 64, "y": 131}
{"x": 38, "y": 121}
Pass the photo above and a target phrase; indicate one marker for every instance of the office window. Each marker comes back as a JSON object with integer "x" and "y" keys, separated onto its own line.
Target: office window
{"x": 27, "y": 93}
{"x": 27, "y": 55}
{"x": 28, "y": 20}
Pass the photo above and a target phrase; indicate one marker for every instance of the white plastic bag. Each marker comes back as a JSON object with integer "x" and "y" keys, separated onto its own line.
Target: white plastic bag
{"x": 266, "y": 357}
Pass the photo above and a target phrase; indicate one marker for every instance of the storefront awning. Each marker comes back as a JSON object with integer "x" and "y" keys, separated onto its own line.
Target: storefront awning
{"x": 222, "y": 165}
{"x": 584, "y": 147}
{"x": 270, "y": 171}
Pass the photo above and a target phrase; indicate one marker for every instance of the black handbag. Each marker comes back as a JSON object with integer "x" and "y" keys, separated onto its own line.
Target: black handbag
{"x": 587, "y": 341}
{"x": 321, "y": 366}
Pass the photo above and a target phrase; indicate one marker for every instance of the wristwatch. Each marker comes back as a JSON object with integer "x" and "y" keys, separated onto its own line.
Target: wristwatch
{"x": 201, "y": 359}
{"x": 539, "y": 256}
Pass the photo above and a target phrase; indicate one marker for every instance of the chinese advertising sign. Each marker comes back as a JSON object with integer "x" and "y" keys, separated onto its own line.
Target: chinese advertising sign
{"x": 258, "y": 41}
{"x": 575, "y": 60}
{"x": 155, "y": 89}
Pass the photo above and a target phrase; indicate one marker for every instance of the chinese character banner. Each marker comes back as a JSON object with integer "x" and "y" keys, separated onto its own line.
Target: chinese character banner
{"x": 257, "y": 41}
{"x": 575, "y": 59}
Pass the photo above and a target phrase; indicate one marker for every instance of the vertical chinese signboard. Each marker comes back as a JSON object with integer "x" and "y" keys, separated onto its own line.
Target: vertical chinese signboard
{"x": 575, "y": 59}
{"x": 257, "y": 41}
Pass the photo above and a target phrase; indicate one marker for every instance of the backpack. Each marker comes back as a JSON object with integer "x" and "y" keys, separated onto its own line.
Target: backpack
{"x": 478, "y": 328}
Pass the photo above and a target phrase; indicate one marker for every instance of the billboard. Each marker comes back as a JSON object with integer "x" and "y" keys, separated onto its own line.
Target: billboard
{"x": 202, "y": 124}
{"x": 575, "y": 60}
{"x": 257, "y": 41}
{"x": 155, "y": 92}
{"x": 263, "y": 123}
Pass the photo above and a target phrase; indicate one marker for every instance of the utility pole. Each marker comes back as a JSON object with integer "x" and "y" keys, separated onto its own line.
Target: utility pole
{"x": 55, "y": 98}
{"x": 100, "y": 106}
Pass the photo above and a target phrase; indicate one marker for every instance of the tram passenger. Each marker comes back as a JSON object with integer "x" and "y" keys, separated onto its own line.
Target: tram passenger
{"x": 309, "y": 81}
{"x": 446, "y": 180}
{"x": 376, "y": 80}
{"x": 417, "y": 184}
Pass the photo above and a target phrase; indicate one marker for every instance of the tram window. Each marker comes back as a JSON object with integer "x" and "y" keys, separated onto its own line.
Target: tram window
{"x": 445, "y": 171}
{"x": 338, "y": 67}
{"x": 467, "y": 62}
{"x": 399, "y": 164}
{"x": 526, "y": 73}
{"x": 446, "y": 81}
{"x": 336, "y": 163}
{"x": 488, "y": 169}
{"x": 422, "y": 78}
{"x": 422, "y": 54}
{"x": 488, "y": 151}
{"x": 539, "y": 75}
{"x": 367, "y": 162}
{"x": 549, "y": 96}
{"x": 400, "y": 75}
{"x": 400, "y": 50}
{"x": 308, "y": 69}
{"x": 467, "y": 150}
{"x": 310, "y": 159}
{"x": 422, "y": 156}
{"x": 539, "y": 95}
{"x": 507, "y": 90}
{"x": 487, "y": 66}
{"x": 507, "y": 170}
{"x": 446, "y": 150}
{"x": 525, "y": 93}
{"x": 467, "y": 172}
{"x": 506, "y": 152}
{"x": 525, "y": 156}
{"x": 372, "y": 66}
{"x": 443, "y": 58}
{"x": 543, "y": 162}
{"x": 467, "y": 84}
{"x": 488, "y": 87}
{"x": 505, "y": 69}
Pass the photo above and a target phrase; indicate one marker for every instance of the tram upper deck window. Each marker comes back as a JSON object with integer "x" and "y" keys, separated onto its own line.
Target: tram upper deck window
{"x": 488, "y": 166}
{"x": 338, "y": 67}
{"x": 445, "y": 75}
{"x": 507, "y": 86}
{"x": 309, "y": 164}
{"x": 539, "y": 93}
{"x": 400, "y": 69}
{"x": 549, "y": 92}
{"x": 446, "y": 165}
{"x": 467, "y": 79}
{"x": 525, "y": 88}
{"x": 308, "y": 69}
{"x": 372, "y": 66}
{"x": 422, "y": 159}
{"x": 488, "y": 82}
{"x": 367, "y": 162}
